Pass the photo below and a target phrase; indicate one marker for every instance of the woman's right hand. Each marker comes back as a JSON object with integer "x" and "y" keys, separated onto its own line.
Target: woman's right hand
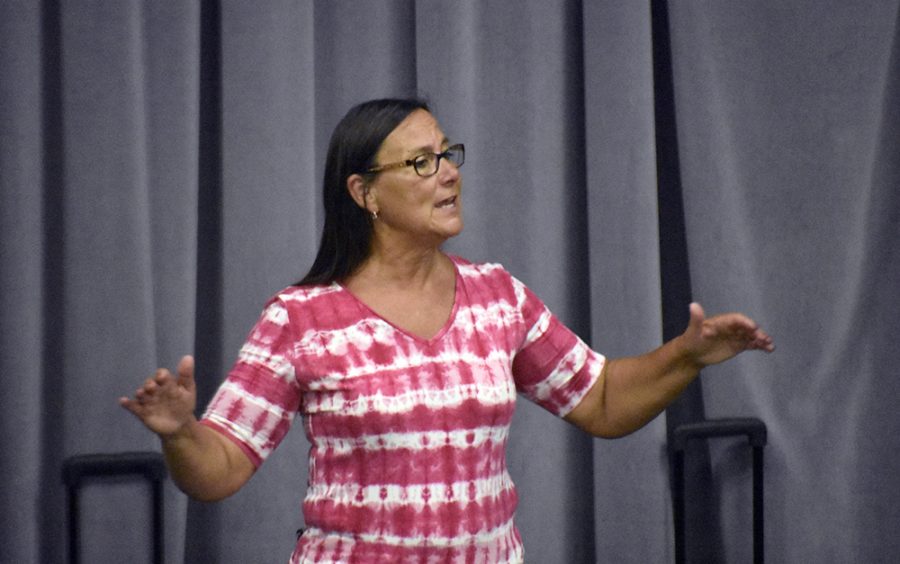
{"x": 165, "y": 403}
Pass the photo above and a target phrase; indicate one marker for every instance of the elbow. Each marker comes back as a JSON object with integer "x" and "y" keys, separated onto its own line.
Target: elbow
{"x": 606, "y": 425}
{"x": 610, "y": 434}
{"x": 207, "y": 488}
{"x": 610, "y": 430}
{"x": 204, "y": 494}
{"x": 207, "y": 498}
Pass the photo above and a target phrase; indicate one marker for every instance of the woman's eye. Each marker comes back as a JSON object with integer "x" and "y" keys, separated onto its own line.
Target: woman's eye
{"x": 424, "y": 163}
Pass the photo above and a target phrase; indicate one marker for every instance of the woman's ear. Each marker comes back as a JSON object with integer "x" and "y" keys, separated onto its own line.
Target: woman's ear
{"x": 359, "y": 190}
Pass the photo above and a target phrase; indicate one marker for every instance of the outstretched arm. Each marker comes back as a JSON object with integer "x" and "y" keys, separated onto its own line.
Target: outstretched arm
{"x": 631, "y": 391}
{"x": 202, "y": 462}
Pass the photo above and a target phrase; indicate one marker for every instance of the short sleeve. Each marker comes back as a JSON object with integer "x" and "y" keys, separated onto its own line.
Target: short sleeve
{"x": 554, "y": 368}
{"x": 257, "y": 402}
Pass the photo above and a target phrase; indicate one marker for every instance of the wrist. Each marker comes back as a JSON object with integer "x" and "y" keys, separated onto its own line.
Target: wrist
{"x": 183, "y": 432}
{"x": 685, "y": 355}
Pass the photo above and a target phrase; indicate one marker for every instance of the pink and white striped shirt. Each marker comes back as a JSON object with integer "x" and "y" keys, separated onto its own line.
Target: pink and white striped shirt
{"x": 407, "y": 458}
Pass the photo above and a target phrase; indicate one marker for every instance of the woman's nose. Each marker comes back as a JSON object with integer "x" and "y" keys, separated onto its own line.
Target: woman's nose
{"x": 448, "y": 172}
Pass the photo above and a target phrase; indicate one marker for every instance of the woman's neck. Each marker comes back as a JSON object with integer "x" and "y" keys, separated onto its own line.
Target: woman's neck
{"x": 410, "y": 267}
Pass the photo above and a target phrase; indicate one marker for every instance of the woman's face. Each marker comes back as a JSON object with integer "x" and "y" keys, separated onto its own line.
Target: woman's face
{"x": 419, "y": 209}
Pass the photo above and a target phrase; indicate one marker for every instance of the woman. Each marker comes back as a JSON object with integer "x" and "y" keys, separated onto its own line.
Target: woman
{"x": 405, "y": 364}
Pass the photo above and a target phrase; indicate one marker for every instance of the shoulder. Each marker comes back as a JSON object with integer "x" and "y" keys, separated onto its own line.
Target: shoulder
{"x": 295, "y": 303}
{"x": 490, "y": 282}
{"x": 480, "y": 271}
{"x": 296, "y": 314}
{"x": 307, "y": 294}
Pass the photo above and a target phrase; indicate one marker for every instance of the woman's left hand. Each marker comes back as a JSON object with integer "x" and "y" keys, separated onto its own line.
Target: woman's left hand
{"x": 716, "y": 339}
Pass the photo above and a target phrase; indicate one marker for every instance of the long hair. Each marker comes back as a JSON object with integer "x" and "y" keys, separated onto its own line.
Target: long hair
{"x": 347, "y": 233}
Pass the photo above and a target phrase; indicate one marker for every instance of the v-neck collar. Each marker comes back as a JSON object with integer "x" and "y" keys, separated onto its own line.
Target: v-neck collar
{"x": 457, "y": 295}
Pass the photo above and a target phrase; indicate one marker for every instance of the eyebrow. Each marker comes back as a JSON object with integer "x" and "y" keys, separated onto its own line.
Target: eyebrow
{"x": 445, "y": 142}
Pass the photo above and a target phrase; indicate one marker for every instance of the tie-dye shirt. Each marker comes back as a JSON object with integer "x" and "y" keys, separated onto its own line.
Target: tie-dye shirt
{"x": 407, "y": 435}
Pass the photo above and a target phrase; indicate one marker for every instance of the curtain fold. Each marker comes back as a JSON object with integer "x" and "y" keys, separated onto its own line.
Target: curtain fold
{"x": 633, "y": 519}
{"x": 21, "y": 246}
{"x": 783, "y": 143}
{"x": 160, "y": 171}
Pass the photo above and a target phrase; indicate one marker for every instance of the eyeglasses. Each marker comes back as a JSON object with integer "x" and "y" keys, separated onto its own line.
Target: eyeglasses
{"x": 427, "y": 164}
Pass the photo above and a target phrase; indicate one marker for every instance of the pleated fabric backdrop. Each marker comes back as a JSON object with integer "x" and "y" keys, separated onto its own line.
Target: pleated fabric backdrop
{"x": 160, "y": 168}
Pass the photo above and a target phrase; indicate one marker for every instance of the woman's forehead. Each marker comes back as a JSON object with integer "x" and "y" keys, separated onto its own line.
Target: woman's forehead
{"x": 419, "y": 132}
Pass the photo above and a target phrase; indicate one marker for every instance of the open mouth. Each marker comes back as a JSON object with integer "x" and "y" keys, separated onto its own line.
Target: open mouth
{"x": 449, "y": 202}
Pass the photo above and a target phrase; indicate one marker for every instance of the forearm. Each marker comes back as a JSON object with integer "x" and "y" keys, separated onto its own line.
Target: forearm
{"x": 204, "y": 464}
{"x": 640, "y": 388}
{"x": 632, "y": 391}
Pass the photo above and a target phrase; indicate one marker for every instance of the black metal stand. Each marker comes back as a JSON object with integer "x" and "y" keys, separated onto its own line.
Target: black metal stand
{"x": 755, "y": 430}
{"x": 149, "y": 465}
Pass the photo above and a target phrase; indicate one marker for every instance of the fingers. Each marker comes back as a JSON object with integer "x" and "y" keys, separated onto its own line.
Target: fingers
{"x": 696, "y": 311}
{"x": 152, "y": 385}
{"x": 747, "y": 331}
{"x": 762, "y": 341}
{"x": 142, "y": 395}
{"x": 127, "y": 403}
{"x": 155, "y": 386}
{"x": 697, "y": 316}
{"x": 186, "y": 371}
{"x": 730, "y": 326}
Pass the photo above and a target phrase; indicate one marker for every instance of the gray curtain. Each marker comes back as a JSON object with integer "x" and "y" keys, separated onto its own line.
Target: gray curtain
{"x": 160, "y": 166}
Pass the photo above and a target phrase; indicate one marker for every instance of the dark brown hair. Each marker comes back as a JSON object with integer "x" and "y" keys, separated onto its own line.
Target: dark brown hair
{"x": 347, "y": 233}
